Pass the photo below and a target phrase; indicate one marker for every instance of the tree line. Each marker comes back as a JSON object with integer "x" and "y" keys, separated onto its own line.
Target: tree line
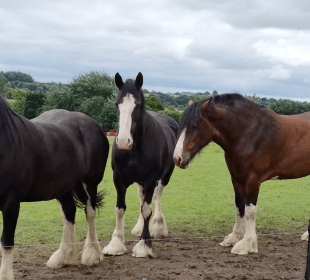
{"x": 94, "y": 93}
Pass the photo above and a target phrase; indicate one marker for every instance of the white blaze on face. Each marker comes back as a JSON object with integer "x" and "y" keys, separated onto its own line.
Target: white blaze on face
{"x": 178, "y": 151}
{"x": 124, "y": 138}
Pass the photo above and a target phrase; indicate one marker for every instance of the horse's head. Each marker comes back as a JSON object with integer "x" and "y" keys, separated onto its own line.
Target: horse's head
{"x": 129, "y": 103}
{"x": 195, "y": 131}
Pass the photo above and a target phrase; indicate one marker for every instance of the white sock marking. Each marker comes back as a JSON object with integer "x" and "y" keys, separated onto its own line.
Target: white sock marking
{"x": 249, "y": 242}
{"x": 158, "y": 227}
{"x": 137, "y": 230}
{"x": 6, "y": 270}
{"x": 68, "y": 250}
{"x": 92, "y": 250}
{"x": 146, "y": 210}
{"x": 116, "y": 245}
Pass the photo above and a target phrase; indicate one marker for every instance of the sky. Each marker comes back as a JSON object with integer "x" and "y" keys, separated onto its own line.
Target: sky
{"x": 246, "y": 46}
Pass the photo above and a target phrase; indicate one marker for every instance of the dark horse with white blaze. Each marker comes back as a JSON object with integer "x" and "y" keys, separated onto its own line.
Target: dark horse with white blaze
{"x": 142, "y": 153}
{"x": 61, "y": 155}
{"x": 259, "y": 145}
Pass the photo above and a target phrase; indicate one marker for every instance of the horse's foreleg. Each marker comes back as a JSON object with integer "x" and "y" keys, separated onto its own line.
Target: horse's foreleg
{"x": 137, "y": 230}
{"x": 158, "y": 226}
{"x": 10, "y": 213}
{"x": 68, "y": 249}
{"x": 238, "y": 230}
{"x": 237, "y": 233}
{"x": 117, "y": 243}
{"x": 92, "y": 251}
{"x": 249, "y": 242}
{"x": 144, "y": 247}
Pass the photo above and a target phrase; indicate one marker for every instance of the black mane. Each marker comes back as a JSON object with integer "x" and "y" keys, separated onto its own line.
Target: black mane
{"x": 193, "y": 114}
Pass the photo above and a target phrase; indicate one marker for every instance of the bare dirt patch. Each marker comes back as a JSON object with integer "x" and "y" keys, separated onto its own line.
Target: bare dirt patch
{"x": 280, "y": 257}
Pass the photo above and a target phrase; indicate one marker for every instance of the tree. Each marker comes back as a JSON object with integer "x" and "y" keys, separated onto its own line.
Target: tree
{"x": 289, "y": 107}
{"x": 19, "y": 97}
{"x": 172, "y": 113}
{"x": 215, "y": 93}
{"x": 92, "y": 84}
{"x": 60, "y": 96}
{"x": 109, "y": 118}
{"x": 2, "y": 84}
{"x": 152, "y": 103}
{"x": 34, "y": 102}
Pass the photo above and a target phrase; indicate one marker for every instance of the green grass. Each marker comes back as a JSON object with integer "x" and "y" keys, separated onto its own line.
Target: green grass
{"x": 198, "y": 201}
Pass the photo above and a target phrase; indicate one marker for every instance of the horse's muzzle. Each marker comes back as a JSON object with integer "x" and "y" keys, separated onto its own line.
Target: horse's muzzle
{"x": 123, "y": 145}
{"x": 181, "y": 161}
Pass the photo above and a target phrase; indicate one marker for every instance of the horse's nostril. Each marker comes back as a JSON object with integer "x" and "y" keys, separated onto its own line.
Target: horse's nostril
{"x": 187, "y": 162}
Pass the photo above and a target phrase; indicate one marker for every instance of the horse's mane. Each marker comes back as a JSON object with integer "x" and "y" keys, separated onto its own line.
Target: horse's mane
{"x": 8, "y": 128}
{"x": 193, "y": 115}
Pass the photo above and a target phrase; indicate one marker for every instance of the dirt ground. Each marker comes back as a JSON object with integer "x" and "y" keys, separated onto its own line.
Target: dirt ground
{"x": 281, "y": 256}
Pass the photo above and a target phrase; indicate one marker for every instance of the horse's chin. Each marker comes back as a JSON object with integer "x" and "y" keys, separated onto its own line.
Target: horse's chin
{"x": 125, "y": 149}
{"x": 184, "y": 166}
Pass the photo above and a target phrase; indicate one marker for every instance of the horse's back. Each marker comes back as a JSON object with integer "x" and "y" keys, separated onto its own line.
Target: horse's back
{"x": 167, "y": 123}
{"x": 70, "y": 145}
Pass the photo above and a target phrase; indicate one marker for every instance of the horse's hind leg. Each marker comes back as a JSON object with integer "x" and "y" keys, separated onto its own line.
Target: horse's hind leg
{"x": 68, "y": 250}
{"x": 92, "y": 251}
{"x": 137, "y": 230}
{"x": 10, "y": 211}
{"x": 158, "y": 226}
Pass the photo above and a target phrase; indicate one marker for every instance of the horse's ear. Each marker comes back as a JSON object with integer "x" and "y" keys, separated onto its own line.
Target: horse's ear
{"x": 209, "y": 104}
{"x": 118, "y": 81}
{"x": 139, "y": 81}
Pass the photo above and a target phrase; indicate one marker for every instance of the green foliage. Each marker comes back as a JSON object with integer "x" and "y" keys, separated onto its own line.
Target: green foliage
{"x": 109, "y": 119}
{"x": 34, "y": 102}
{"x": 59, "y": 96}
{"x": 92, "y": 84}
{"x": 172, "y": 113}
{"x": 13, "y": 76}
{"x": 153, "y": 103}
{"x": 19, "y": 97}
{"x": 2, "y": 84}
{"x": 289, "y": 107}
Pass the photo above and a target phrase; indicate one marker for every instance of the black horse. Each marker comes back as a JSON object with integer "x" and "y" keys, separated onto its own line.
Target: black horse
{"x": 61, "y": 155}
{"x": 142, "y": 153}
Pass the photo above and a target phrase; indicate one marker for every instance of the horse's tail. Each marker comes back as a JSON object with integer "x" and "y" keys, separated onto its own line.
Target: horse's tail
{"x": 80, "y": 197}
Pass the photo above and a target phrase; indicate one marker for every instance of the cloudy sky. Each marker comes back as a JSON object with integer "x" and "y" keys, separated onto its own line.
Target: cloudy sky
{"x": 248, "y": 46}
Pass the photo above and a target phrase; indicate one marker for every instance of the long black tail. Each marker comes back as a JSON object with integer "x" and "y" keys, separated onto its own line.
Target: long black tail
{"x": 307, "y": 277}
{"x": 80, "y": 197}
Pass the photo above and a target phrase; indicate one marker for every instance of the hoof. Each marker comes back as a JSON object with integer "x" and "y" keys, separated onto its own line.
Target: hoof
{"x": 158, "y": 228}
{"x": 91, "y": 254}
{"x": 230, "y": 240}
{"x": 141, "y": 250}
{"x": 305, "y": 236}
{"x": 244, "y": 247}
{"x": 61, "y": 258}
{"x": 115, "y": 247}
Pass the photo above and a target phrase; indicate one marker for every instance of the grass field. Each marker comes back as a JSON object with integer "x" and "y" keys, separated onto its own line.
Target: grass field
{"x": 198, "y": 201}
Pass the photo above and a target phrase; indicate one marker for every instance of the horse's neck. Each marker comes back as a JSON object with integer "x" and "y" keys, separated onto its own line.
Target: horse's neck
{"x": 140, "y": 131}
{"x": 227, "y": 130}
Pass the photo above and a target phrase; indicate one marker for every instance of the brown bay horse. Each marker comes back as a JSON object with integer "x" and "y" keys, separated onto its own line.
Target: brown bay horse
{"x": 259, "y": 145}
